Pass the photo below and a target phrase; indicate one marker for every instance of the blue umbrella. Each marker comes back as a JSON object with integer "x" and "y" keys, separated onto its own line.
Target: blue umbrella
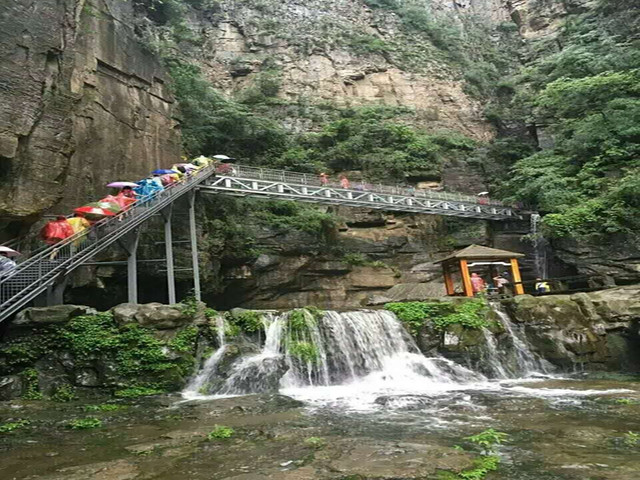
{"x": 163, "y": 172}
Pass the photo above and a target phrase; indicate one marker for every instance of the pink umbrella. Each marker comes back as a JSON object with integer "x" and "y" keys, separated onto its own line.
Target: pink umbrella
{"x": 122, "y": 184}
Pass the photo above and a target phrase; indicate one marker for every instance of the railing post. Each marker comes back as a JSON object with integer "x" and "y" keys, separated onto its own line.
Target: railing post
{"x": 193, "y": 234}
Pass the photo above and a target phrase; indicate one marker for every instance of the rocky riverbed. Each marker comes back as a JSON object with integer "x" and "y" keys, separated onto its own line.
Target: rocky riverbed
{"x": 558, "y": 430}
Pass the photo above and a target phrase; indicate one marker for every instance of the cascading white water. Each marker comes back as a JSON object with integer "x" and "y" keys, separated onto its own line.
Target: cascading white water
{"x": 209, "y": 368}
{"x": 342, "y": 349}
{"x": 261, "y": 372}
{"x": 539, "y": 247}
{"x": 492, "y": 356}
{"x": 365, "y": 361}
{"x": 526, "y": 361}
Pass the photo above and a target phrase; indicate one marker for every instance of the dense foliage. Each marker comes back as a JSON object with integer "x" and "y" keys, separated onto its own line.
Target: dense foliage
{"x": 143, "y": 364}
{"x": 415, "y": 315}
{"x": 372, "y": 140}
{"x": 586, "y": 87}
{"x": 212, "y": 123}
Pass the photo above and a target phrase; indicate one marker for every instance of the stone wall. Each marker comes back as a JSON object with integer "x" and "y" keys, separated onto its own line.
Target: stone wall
{"x": 591, "y": 331}
{"x": 81, "y": 104}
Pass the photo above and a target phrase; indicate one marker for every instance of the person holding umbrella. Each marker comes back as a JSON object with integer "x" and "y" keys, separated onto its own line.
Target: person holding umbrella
{"x": 6, "y": 262}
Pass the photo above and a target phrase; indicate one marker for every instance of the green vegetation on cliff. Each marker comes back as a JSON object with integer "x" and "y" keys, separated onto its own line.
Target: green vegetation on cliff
{"x": 372, "y": 139}
{"x": 212, "y": 123}
{"x": 585, "y": 86}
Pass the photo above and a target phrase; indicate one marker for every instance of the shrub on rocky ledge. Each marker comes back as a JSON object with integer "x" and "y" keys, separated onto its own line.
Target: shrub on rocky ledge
{"x": 97, "y": 351}
{"x": 415, "y": 315}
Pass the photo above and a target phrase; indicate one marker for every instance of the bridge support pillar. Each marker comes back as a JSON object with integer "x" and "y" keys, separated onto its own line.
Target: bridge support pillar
{"x": 168, "y": 242}
{"x": 130, "y": 245}
{"x": 193, "y": 236}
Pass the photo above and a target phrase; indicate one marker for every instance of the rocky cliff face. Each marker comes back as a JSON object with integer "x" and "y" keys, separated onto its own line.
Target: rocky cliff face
{"x": 81, "y": 104}
{"x": 539, "y": 18}
{"x": 341, "y": 52}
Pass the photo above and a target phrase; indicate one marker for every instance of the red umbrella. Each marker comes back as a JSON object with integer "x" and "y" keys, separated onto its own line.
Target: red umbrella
{"x": 121, "y": 200}
{"x": 95, "y": 213}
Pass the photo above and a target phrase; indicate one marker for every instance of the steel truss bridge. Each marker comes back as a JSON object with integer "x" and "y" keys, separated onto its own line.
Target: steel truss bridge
{"x": 42, "y": 276}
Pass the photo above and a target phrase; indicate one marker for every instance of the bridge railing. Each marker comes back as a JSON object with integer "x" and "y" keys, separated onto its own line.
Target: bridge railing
{"x": 260, "y": 173}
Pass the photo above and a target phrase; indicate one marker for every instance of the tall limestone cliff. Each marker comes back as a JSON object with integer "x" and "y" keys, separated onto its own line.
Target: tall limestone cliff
{"x": 81, "y": 103}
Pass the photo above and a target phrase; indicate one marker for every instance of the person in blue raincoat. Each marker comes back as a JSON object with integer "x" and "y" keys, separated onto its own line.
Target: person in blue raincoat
{"x": 147, "y": 187}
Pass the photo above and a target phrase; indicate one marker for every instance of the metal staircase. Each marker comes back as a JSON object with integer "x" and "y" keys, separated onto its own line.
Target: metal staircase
{"x": 46, "y": 267}
{"x": 45, "y": 270}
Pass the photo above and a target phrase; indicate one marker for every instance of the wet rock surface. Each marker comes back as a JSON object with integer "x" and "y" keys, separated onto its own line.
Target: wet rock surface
{"x": 39, "y": 316}
{"x": 597, "y": 330}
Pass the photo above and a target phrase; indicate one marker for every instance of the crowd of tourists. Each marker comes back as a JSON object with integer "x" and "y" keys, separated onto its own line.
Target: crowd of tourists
{"x": 501, "y": 284}
{"x": 126, "y": 195}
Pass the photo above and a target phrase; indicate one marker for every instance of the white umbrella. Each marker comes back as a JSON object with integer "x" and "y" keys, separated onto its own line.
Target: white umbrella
{"x": 222, "y": 157}
{"x": 483, "y": 193}
{"x": 9, "y": 251}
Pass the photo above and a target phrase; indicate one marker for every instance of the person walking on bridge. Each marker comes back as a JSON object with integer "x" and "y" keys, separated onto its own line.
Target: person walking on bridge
{"x": 324, "y": 179}
{"x": 344, "y": 182}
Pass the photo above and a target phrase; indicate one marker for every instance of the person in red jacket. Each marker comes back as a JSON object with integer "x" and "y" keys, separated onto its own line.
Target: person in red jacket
{"x": 56, "y": 230}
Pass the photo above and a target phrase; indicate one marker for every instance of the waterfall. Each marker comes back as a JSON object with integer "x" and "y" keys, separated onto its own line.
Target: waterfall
{"x": 492, "y": 356}
{"x": 539, "y": 247}
{"x": 261, "y": 372}
{"x": 522, "y": 361}
{"x": 301, "y": 351}
{"x": 209, "y": 369}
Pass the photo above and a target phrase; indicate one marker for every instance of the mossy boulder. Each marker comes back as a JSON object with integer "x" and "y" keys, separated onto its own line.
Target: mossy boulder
{"x": 56, "y": 314}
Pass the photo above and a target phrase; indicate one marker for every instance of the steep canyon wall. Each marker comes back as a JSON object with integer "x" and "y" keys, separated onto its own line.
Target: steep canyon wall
{"x": 81, "y": 104}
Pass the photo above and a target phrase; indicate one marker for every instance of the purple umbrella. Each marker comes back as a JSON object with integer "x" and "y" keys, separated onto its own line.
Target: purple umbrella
{"x": 122, "y": 184}
{"x": 163, "y": 172}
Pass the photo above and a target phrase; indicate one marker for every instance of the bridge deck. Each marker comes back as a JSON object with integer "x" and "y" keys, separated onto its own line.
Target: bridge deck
{"x": 258, "y": 182}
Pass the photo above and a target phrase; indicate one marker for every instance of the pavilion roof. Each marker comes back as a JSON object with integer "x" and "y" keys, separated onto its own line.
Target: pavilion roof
{"x": 479, "y": 252}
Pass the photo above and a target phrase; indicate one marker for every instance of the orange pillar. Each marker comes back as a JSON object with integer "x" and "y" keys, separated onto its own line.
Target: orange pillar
{"x": 448, "y": 279}
{"x": 515, "y": 274}
{"x": 466, "y": 278}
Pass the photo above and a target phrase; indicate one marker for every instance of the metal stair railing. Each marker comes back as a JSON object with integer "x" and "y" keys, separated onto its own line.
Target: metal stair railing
{"x": 32, "y": 277}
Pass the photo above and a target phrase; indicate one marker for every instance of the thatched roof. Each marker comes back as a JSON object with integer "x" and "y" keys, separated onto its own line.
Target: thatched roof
{"x": 478, "y": 252}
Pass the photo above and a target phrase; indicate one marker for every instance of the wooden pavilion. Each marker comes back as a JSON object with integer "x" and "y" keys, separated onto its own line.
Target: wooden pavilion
{"x": 477, "y": 255}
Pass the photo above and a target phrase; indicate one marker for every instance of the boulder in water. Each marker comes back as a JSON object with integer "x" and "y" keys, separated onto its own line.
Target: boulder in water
{"x": 257, "y": 374}
{"x": 10, "y": 387}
